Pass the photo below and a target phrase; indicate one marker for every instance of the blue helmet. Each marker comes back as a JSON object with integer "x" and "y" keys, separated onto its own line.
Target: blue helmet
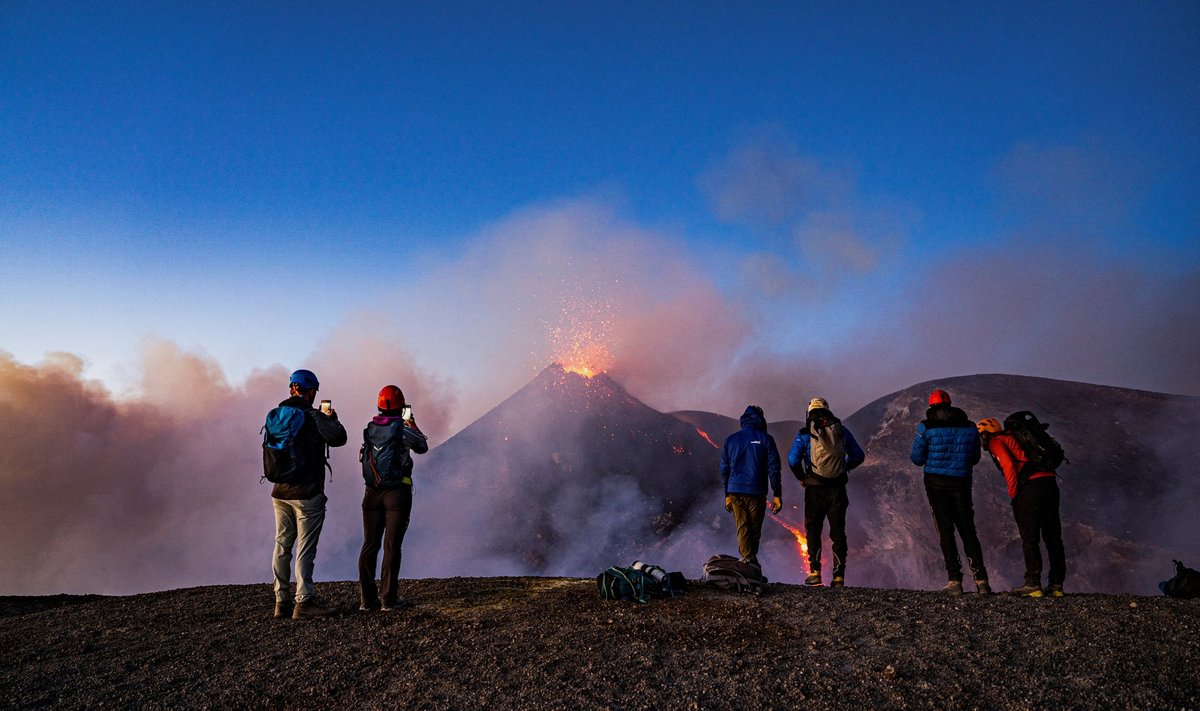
{"x": 305, "y": 379}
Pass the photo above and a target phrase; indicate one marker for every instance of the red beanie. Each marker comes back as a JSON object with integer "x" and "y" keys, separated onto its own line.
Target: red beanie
{"x": 391, "y": 398}
{"x": 938, "y": 397}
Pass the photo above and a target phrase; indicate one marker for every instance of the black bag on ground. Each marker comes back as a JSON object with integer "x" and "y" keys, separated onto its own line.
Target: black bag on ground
{"x": 1043, "y": 453}
{"x": 640, "y": 582}
{"x": 729, "y": 573}
{"x": 1185, "y": 584}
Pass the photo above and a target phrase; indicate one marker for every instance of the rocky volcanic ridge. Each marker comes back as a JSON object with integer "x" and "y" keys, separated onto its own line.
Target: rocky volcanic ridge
{"x": 554, "y": 643}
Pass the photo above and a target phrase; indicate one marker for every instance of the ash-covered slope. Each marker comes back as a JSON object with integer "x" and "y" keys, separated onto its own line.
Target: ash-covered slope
{"x": 534, "y": 643}
{"x": 569, "y": 475}
{"x": 1129, "y": 495}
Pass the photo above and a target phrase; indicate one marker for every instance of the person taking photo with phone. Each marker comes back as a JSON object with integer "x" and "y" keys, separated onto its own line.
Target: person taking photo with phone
{"x": 387, "y": 465}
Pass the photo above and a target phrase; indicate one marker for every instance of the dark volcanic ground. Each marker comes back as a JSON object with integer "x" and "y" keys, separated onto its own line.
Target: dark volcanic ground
{"x": 553, "y": 643}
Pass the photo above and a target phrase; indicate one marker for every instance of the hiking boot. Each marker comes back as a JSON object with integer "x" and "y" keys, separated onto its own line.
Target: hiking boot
{"x": 1055, "y": 590}
{"x": 1029, "y": 590}
{"x": 953, "y": 587}
{"x": 982, "y": 587}
{"x": 283, "y": 610}
{"x": 393, "y": 606}
{"x": 814, "y": 579}
{"x": 310, "y": 609}
{"x": 837, "y": 582}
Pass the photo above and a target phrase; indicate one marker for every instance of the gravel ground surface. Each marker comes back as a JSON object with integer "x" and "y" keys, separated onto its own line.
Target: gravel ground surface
{"x": 554, "y": 643}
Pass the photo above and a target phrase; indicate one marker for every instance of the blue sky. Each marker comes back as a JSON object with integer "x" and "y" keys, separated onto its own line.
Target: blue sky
{"x": 857, "y": 197}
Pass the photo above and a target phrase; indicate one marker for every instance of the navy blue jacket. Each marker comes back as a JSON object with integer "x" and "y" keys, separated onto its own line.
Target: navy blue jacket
{"x": 801, "y": 465}
{"x": 947, "y": 444}
{"x": 750, "y": 458}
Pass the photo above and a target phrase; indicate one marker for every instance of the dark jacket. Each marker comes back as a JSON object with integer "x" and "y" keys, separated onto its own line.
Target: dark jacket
{"x": 412, "y": 439}
{"x": 801, "y": 463}
{"x": 750, "y": 458}
{"x": 947, "y": 446}
{"x": 318, "y": 431}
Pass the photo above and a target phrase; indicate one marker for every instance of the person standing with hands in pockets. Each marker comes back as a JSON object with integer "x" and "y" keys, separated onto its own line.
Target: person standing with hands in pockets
{"x": 387, "y": 466}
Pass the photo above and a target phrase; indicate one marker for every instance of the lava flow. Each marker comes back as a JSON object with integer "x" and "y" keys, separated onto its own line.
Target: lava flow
{"x": 801, "y": 539}
{"x": 707, "y": 438}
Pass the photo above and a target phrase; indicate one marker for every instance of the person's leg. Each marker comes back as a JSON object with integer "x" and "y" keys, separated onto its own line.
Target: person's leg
{"x": 940, "y": 503}
{"x": 838, "y": 504}
{"x": 815, "y": 506}
{"x": 398, "y": 507}
{"x": 285, "y": 538}
{"x": 373, "y": 514}
{"x": 1051, "y": 527}
{"x": 741, "y": 520}
{"x": 964, "y": 521}
{"x": 1025, "y": 512}
{"x": 309, "y": 522}
{"x": 757, "y": 512}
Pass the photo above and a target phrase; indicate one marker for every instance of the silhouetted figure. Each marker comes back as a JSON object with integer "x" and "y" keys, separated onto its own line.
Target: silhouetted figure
{"x": 749, "y": 461}
{"x": 300, "y": 504}
{"x": 387, "y": 502}
{"x": 821, "y": 455}
{"x": 947, "y": 446}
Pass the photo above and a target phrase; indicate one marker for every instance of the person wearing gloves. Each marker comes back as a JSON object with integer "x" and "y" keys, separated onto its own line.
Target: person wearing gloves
{"x": 749, "y": 461}
{"x": 821, "y": 455}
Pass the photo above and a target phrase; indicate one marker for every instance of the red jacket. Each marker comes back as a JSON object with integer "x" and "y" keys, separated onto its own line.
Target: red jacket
{"x": 1010, "y": 458}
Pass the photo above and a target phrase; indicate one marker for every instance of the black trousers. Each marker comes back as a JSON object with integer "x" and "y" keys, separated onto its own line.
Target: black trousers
{"x": 953, "y": 511}
{"x": 822, "y": 502}
{"x": 1036, "y": 511}
{"x": 385, "y": 519}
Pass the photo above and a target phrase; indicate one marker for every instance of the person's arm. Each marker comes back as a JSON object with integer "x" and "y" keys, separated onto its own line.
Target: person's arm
{"x": 796, "y": 456}
{"x": 854, "y": 453}
{"x": 329, "y": 428}
{"x": 725, "y": 467}
{"x": 977, "y": 448}
{"x": 1007, "y": 462}
{"x": 414, "y": 438}
{"x": 920, "y": 447}
{"x": 773, "y": 467}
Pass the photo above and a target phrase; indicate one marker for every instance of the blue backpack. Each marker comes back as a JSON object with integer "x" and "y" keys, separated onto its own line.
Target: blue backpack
{"x": 283, "y": 460}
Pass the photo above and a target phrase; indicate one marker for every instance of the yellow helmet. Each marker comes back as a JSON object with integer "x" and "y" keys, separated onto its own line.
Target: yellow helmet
{"x": 990, "y": 424}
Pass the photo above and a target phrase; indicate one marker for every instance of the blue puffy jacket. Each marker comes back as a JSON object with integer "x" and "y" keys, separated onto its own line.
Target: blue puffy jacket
{"x": 947, "y": 443}
{"x": 750, "y": 458}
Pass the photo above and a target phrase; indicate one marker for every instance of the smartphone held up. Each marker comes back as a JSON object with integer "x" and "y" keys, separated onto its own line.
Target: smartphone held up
{"x": 327, "y": 406}
{"x": 406, "y": 413}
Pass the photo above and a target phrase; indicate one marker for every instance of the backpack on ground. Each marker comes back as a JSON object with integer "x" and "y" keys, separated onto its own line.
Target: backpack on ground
{"x": 827, "y": 448}
{"x": 640, "y": 582}
{"x": 1043, "y": 453}
{"x": 1185, "y": 584}
{"x": 386, "y": 462}
{"x": 283, "y": 458}
{"x": 729, "y": 573}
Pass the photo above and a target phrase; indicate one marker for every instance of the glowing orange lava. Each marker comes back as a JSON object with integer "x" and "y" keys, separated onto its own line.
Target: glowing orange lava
{"x": 580, "y": 340}
{"x": 801, "y": 539}
{"x": 707, "y": 438}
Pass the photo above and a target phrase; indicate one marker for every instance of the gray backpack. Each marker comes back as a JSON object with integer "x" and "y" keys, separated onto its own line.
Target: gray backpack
{"x": 827, "y": 448}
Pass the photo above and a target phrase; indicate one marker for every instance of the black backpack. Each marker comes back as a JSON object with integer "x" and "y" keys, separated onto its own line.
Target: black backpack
{"x": 1185, "y": 584}
{"x": 386, "y": 462}
{"x": 1043, "y": 453}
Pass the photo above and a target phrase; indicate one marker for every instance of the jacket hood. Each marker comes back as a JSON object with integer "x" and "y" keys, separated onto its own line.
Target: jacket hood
{"x": 818, "y": 413}
{"x": 386, "y": 419}
{"x": 947, "y": 415}
{"x": 750, "y": 418}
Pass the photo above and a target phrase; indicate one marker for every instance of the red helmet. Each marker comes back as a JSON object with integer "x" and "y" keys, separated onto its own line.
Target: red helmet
{"x": 939, "y": 397}
{"x": 391, "y": 398}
